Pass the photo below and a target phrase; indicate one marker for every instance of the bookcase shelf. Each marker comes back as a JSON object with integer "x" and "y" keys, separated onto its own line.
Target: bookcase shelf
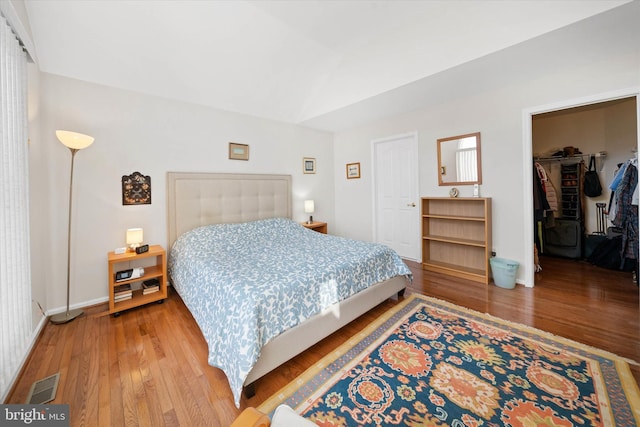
{"x": 154, "y": 263}
{"x": 456, "y": 237}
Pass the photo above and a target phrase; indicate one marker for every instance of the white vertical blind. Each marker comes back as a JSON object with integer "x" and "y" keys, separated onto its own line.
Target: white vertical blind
{"x": 15, "y": 268}
{"x": 467, "y": 165}
{"x": 467, "y": 160}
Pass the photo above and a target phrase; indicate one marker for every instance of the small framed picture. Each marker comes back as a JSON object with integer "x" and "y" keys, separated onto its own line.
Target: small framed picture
{"x": 238, "y": 151}
{"x": 353, "y": 170}
{"x": 309, "y": 165}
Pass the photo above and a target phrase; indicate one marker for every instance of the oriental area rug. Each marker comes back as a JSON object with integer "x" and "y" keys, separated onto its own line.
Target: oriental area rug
{"x": 427, "y": 362}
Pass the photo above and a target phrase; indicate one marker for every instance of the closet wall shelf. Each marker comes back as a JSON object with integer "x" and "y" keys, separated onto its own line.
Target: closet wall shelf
{"x": 574, "y": 158}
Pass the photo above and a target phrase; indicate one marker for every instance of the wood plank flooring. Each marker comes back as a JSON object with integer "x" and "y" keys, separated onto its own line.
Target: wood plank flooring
{"x": 148, "y": 367}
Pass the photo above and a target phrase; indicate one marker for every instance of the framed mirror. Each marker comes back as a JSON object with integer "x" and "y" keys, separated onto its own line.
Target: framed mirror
{"x": 459, "y": 160}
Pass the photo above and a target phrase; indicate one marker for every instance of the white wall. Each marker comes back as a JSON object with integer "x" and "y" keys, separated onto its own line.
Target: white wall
{"x": 135, "y": 132}
{"x": 489, "y": 95}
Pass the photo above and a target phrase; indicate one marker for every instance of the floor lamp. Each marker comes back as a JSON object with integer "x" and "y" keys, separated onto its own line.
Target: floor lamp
{"x": 75, "y": 142}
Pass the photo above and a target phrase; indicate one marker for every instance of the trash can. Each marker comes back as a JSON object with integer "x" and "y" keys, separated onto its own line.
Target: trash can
{"x": 504, "y": 272}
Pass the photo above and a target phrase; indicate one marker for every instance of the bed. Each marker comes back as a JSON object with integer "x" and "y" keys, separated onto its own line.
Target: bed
{"x": 261, "y": 287}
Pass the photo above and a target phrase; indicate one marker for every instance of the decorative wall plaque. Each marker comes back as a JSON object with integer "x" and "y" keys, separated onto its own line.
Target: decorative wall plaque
{"x": 136, "y": 189}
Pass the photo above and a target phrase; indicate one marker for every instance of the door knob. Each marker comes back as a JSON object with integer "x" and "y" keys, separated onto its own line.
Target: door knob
{"x": 413, "y": 205}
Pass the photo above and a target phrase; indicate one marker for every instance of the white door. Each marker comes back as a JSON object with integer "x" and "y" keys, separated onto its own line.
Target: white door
{"x": 396, "y": 202}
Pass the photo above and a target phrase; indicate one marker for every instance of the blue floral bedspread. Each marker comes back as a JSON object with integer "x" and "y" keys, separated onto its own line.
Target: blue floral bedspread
{"x": 246, "y": 283}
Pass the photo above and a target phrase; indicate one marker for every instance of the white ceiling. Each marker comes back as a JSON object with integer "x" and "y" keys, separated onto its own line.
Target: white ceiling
{"x": 291, "y": 61}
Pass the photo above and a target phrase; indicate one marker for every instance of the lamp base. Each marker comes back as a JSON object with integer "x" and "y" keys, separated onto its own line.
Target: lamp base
{"x": 65, "y": 317}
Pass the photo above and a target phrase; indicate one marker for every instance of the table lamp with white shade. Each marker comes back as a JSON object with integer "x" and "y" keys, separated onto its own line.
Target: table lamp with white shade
{"x": 134, "y": 238}
{"x": 309, "y": 208}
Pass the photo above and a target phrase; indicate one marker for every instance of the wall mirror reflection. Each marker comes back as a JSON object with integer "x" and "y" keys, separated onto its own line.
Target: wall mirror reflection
{"x": 459, "y": 161}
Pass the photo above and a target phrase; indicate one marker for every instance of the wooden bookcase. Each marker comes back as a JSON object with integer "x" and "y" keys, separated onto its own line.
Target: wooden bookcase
{"x": 456, "y": 237}
{"x": 154, "y": 263}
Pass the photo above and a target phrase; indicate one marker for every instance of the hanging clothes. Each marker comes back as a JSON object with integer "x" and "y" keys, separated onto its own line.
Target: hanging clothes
{"x": 549, "y": 190}
{"x": 540, "y": 202}
{"x": 543, "y": 214}
{"x": 626, "y": 210}
{"x": 611, "y": 212}
{"x": 540, "y": 206}
{"x": 617, "y": 177}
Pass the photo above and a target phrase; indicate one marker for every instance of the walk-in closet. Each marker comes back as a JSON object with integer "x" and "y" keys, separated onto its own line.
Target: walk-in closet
{"x": 571, "y": 222}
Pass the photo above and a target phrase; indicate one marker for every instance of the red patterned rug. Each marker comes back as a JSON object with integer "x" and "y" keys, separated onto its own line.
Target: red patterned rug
{"x": 431, "y": 363}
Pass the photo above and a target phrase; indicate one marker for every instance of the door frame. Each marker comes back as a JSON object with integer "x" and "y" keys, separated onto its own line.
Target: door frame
{"x": 374, "y": 180}
{"x": 527, "y": 156}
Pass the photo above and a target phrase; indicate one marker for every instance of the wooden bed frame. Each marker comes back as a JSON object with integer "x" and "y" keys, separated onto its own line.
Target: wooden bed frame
{"x": 196, "y": 199}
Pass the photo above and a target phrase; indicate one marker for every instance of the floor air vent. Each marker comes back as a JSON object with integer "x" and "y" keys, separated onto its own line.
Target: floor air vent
{"x": 43, "y": 391}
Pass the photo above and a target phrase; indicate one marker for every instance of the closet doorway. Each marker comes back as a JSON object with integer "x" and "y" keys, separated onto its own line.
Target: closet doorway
{"x": 562, "y": 142}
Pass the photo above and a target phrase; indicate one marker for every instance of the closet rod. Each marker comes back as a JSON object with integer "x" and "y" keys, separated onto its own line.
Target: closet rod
{"x": 575, "y": 157}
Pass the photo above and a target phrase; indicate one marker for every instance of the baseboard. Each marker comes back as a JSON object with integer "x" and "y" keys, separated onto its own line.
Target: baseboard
{"x": 78, "y": 305}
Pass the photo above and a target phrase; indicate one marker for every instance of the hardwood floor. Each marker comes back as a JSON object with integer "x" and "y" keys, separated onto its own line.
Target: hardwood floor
{"x": 148, "y": 367}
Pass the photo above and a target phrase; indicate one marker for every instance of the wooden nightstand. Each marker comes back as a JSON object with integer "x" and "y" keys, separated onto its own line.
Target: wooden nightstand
{"x": 154, "y": 263}
{"x": 320, "y": 227}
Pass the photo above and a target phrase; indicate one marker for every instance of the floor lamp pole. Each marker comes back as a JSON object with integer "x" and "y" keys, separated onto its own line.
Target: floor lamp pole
{"x": 69, "y": 315}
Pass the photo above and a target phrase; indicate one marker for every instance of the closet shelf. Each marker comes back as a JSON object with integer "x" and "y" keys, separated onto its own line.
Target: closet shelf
{"x": 573, "y": 158}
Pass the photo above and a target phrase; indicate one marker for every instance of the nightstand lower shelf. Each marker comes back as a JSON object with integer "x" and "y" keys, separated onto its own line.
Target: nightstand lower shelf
{"x": 136, "y": 300}
{"x": 157, "y": 270}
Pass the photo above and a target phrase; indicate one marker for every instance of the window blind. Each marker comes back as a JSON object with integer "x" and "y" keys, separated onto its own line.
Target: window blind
{"x": 15, "y": 263}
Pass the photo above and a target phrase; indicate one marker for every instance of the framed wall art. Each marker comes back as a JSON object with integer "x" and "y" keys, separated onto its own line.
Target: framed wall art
{"x": 353, "y": 170}
{"x": 238, "y": 151}
{"x": 136, "y": 189}
{"x": 309, "y": 165}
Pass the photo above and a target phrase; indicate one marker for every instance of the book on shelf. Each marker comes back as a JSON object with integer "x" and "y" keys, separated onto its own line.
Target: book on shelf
{"x": 150, "y": 286}
{"x": 122, "y": 290}
{"x": 122, "y": 297}
{"x": 151, "y": 282}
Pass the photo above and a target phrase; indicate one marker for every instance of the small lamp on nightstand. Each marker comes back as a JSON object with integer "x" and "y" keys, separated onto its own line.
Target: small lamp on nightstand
{"x": 134, "y": 238}
{"x": 309, "y": 208}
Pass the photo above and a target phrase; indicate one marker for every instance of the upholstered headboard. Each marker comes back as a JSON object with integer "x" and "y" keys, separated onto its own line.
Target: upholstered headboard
{"x": 196, "y": 199}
